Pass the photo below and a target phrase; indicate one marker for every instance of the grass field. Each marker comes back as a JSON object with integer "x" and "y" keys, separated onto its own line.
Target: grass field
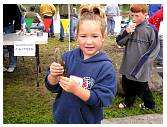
{"x": 23, "y": 102}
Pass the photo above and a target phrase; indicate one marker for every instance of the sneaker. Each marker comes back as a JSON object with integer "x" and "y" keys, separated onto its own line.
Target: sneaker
{"x": 142, "y": 106}
{"x": 120, "y": 47}
{"x": 61, "y": 40}
{"x": 122, "y": 105}
{"x": 4, "y": 69}
{"x": 10, "y": 69}
{"x": 52, "y": 36}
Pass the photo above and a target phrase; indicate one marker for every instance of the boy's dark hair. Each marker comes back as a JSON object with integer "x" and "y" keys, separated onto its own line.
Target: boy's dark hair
{"x": 32, "y": 8}
{"x": 135, "y": 8}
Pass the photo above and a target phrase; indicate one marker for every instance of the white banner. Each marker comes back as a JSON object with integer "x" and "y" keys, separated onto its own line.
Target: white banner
{"x": 24, "y": 48}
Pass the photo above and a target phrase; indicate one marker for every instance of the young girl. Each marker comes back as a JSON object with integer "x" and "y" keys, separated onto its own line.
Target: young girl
{"x": 90, "y": 82}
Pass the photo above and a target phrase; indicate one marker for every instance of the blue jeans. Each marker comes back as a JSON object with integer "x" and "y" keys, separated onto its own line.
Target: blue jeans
{"x": 159, "y": 58}
{"x": 51, "y": 30}
{"x": 75, "y": 22}
{"x": 72, "y": 35}
{"x": 22, "y": 19}
{"x": 110, "y": 25}
{"x": 10, "y": 48}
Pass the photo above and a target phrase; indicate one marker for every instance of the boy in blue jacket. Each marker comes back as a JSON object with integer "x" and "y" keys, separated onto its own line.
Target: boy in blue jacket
{"x": 90, "y": 81}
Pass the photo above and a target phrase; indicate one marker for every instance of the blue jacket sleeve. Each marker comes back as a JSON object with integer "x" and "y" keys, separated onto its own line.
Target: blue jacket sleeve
{"x": 122, "y": 38}
{"x": 52, "y": 88}
{"x": 103, "y": 92}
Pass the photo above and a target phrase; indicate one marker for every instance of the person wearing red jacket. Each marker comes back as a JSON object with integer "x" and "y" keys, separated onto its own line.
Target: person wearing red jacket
{"x": 155, "y": 20}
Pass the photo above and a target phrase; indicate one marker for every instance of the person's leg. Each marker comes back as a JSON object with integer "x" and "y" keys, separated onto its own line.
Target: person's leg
{"x": 129, "y": 90}
{"x": 111, "y": 32}
{"x": 12, "y": 58}
{"x": 112, "y": 26}
{"x": 145, "y": 94}
{"x": 72, "y": 38}
{"x": 159, "y": 58}
{"x": 61, "y": 29}
{"x": 75, "y": 22}
{"x": 108, "y": 26}
{"x": 22, "y": 19}
{"x": 52, "y": 28}
{"x": 8, "y": 29}
{"x": 5, "y": 51}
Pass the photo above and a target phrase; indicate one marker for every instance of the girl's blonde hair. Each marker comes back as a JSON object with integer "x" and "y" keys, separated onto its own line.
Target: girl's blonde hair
{"x": 93, "y": 13}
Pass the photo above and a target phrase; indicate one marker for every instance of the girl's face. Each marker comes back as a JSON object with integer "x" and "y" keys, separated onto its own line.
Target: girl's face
{"x": 90, "y": 38}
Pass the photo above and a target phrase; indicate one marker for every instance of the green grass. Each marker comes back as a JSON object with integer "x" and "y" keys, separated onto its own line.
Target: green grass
{"x": 23, "y": 102}
{"x": 114, "y": 111}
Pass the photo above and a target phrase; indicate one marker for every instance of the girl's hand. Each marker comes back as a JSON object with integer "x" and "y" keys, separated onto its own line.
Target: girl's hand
{"x": 56, "y": 69}
{"x": 69, "y": 85}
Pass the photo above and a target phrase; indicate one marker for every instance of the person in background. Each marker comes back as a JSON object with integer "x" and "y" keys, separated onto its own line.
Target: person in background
{"x": 159, "y": 58}
{"x": 153, "y": 8}
{"x": 63, "y": 12}
{"x": 81, "y": 93}
{"x": 23, "y": 10}
{"x": 111, "y": 10}
{"x": 155, "y": 20}
{"x": 48, "y": 11}
{"x": 141, "y": 48}
{"x": 11, "y": 24}
{"x": 37, "y": 22}
{"x": 75, "y": 21}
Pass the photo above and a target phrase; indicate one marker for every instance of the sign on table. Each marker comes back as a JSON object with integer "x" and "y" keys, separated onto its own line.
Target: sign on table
{"x": 24, "y": 48}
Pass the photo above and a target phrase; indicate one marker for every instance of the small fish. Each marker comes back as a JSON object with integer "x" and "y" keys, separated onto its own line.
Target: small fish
{"x": 58, "y": 59}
